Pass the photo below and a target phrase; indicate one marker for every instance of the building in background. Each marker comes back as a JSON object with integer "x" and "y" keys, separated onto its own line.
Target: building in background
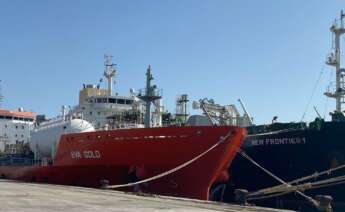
{"x": 15, "y": 127}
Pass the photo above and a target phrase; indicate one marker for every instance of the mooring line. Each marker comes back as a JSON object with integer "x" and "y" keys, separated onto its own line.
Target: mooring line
{"x": 221, "y": 140}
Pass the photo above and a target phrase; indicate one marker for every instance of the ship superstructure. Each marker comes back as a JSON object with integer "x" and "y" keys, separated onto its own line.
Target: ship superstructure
{"x": 104, "y": 110}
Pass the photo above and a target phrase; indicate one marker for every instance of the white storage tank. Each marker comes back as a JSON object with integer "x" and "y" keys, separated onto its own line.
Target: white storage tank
{"x": 45, "y": 137}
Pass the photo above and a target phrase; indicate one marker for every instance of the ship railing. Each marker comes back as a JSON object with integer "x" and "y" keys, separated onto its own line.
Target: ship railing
{"x": 154, "y": 92}
{"x": 54, "y": 122}
{"x": 43, "y": 162}
{"x": 131, "y": 125}
{"x": 124, "y": 126}
{"x": 50, "y": 123}
{"x": 17, "y": 161}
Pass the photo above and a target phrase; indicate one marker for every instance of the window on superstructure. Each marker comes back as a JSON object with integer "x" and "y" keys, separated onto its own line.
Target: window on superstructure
{"x": 16, "y": 118}
{"x": 112, "y": 100}
{"x": 90, "y": 113}
{"x": 5, "y": 125}
{"x": 16, "y": 135}
{"x": 2, "y": 117}
{"x": 99, "y": 100}
{"x": 104, "y": 100}
{"x": 22, "y": 136}
{"x": 120, "y": 101}
{"x": 8, "y": 117}
{"x": 16, "y": 127}
{"x": 23, "y": 127}
{"x": 28, "y": 119}
{"x": 129, "y": 102}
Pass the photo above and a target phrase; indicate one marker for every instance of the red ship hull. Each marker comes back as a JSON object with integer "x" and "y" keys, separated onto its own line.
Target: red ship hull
{"x": 84, "y": 159}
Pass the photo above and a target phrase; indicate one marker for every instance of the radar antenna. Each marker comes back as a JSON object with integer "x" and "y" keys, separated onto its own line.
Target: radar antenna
{"x": 334, "y": 60}
{"x": 109, "y": 71}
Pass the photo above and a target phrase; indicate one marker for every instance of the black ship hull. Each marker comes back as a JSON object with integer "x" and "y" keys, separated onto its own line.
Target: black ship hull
{"x": 291, "y": 154}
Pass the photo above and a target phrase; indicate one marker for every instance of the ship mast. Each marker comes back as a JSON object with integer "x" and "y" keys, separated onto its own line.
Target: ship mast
{"x": 109, "y": 72}
{"x": 149, "y": 95}
{"x": 334, "y": 60}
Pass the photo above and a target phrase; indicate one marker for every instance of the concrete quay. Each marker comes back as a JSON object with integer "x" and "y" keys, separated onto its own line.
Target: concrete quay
{"x": 30, "y": 197}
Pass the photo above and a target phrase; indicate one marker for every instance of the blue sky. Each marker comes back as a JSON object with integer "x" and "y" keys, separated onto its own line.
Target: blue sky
{"x": 269, "y": 53}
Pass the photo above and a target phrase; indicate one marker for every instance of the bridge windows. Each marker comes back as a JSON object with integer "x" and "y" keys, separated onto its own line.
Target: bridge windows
{"x": 129, "y": 101}
{"x": 120, "y": 101}
{"x": 112, "y": 100}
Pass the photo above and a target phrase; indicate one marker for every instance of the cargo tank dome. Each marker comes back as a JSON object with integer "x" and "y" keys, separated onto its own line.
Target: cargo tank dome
{"x": 46, "y": 137}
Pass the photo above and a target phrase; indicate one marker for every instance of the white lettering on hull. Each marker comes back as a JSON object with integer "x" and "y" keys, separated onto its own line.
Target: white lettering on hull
{"x": 278, "y": 141}
{"x": 87, "y": 154}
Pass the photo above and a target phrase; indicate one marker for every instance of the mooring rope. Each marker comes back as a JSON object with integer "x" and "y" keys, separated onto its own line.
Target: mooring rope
{"x": 221, "y": 140}
{"x": 278, "y": 188}
{"x": 306, "y": 186}
{"x": 318, "y": 174}
{"x": 269, "y": 196}
{"x": 243, "y": 154}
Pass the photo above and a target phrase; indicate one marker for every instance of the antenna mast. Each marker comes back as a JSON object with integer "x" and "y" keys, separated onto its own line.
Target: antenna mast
{"x": 1, "y": 96}
{"x": 109, "y": 72}
{"x": 334, "y": 60}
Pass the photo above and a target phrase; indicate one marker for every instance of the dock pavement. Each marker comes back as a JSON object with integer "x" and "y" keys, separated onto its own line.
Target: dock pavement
{"x": 32, "y": 197}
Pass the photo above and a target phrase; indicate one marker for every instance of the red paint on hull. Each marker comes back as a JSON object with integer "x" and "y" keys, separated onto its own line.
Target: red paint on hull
{"x": 84, "y": 159}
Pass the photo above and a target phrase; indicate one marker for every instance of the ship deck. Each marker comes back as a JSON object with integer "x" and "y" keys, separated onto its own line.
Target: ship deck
{"x": 19, "y": 196}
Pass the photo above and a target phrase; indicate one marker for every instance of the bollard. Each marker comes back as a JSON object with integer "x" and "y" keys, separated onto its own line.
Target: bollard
{"x": 324, "y": 203}
{"x": 104, "y": 184}
{"x": 241, "y": 196}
